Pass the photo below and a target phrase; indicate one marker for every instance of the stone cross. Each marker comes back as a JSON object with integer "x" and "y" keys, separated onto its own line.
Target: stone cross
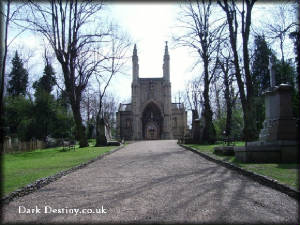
{"x": 272, "y": 73}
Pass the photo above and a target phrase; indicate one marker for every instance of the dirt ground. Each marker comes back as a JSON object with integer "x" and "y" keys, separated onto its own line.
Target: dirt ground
{"x": 153, "y": 181}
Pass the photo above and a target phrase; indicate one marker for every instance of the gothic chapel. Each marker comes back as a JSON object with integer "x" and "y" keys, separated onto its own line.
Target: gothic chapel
{"x": 151, "y": 114}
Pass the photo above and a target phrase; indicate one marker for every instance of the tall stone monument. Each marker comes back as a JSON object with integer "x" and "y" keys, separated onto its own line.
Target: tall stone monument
{"x": 279, "y": 138}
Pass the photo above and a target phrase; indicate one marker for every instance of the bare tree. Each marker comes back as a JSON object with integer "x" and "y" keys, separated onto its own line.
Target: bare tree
{"x": 193, "y": 96}
{"x": 216, "y": 88}
{"x": 204, "y": 35}
{"x": 76, "y": 36}
{"x": 247, "y": 98}
{"x": 227, "y": 75}
{"x": 91, "y": 105}
{"x": 7, "y": 15}
{"x": 109, "y": 107}
{"x": 179, "y": 97}
{"x": 117, "y": 55}
{"x": 281, "y": 25}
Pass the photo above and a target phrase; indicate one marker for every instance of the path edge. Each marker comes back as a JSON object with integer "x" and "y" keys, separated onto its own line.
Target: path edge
{"x": 264, "y": 180}
{"x": 47, "y": 180}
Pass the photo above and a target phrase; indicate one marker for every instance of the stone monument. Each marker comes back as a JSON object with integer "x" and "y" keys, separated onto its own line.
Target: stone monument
{"x": 195, "y": 126}
{"x": 279, "y": 138}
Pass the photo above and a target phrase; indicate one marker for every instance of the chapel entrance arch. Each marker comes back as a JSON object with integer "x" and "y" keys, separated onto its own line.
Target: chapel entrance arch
{"x": 152, "y": 121}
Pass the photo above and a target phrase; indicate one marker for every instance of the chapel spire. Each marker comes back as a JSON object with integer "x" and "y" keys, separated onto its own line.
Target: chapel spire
{"x": 166, "y": 50}
{"x": 135, "y": 64}
{"x": 134, "y": 50}
{"x": 166, "y": 65}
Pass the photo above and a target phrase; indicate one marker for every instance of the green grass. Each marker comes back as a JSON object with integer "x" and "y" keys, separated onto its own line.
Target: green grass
{"x": 20, "y": 169}
{"x": 284, "y": 173}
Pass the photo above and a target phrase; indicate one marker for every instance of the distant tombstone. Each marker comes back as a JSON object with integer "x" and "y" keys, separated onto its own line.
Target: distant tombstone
{"x": 102, "y": 139}
{"x": 195, "y": 126}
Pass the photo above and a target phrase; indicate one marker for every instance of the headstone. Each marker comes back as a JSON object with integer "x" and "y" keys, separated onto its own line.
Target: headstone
{"x": 195, "y": 126}
{"x": 278, "y": 140}
{"x": 102, "y": 139}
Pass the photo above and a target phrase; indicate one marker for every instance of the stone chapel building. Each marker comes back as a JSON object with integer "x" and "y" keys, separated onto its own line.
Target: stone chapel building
{"x": 151, "y": 114}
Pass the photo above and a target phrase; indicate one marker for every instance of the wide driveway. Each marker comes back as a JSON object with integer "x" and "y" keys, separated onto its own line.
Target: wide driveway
{"x": 154, "y": 181}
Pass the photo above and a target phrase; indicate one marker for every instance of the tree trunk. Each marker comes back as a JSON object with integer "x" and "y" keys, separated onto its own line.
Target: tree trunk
{"x": 218, "y": 104}
{"x": 228, "y": 105}
{"x": 101, "y": 139}
{"x": 2, "y": 131}
{"x": 209, "y": 132}
{"x": 80, "y": 129}
{"x": 3, "y": 53}
{"x": 249, "y": 116}
{"x": 250, "y": 130}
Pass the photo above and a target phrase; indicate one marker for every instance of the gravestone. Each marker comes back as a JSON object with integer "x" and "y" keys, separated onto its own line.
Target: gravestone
{"x": 195, "y": 126}
{"x": 102, "y": 133}
{"x": 278, "y": 140}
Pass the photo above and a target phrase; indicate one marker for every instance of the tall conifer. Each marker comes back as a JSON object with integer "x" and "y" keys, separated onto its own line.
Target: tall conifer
{"x": 18, "y": 82}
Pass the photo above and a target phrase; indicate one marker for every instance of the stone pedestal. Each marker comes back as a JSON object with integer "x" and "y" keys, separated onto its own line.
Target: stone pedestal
{"x": 224, "y": 150}
{"x": 278, "y": 140}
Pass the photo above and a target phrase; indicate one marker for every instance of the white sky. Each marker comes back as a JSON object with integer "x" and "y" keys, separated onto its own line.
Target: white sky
{"x": 149, "y": 25}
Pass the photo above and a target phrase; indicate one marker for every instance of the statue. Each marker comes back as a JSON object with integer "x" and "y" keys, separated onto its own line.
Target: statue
{"x": 272, "y": 73}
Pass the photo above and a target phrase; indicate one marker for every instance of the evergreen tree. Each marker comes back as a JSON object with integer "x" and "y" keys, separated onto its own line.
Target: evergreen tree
{"x": 63, "y": 100}
{"x": 285, "y": 72}
{"x": 260, "y": 71}
{"x": 45, "y": 111}
{"x": 261, "y": 76}
{"x": 18, "y": 78}
{"x": 47, "y": 81}
{"x": 19, "y": 111}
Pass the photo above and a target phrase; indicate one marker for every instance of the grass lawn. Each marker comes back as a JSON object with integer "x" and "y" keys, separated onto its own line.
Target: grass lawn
{"x": 284, "y": 173}
{"x": 20, "y": 169}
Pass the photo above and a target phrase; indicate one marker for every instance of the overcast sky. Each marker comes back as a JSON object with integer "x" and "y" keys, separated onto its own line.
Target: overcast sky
{"x": 149, "y": 26}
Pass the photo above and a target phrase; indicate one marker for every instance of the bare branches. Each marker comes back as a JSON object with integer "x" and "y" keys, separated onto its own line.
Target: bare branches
{"x": 247, "y": 96}
{"x": 200, "y": 32}
{"x": 279, "y": 28}
{"x": 193, "y": 92}
{"x": 115, "y": 58}
{"x": 9, "y": 13}
{"x": 80, "y": 42}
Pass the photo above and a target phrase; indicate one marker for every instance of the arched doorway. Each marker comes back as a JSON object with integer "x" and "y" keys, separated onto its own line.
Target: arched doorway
{"x": 151, "y": 131}
{"x": 152, "y": 121}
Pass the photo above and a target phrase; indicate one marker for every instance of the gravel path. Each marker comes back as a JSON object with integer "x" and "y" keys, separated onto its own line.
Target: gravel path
{"x": 154, "y": 181}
